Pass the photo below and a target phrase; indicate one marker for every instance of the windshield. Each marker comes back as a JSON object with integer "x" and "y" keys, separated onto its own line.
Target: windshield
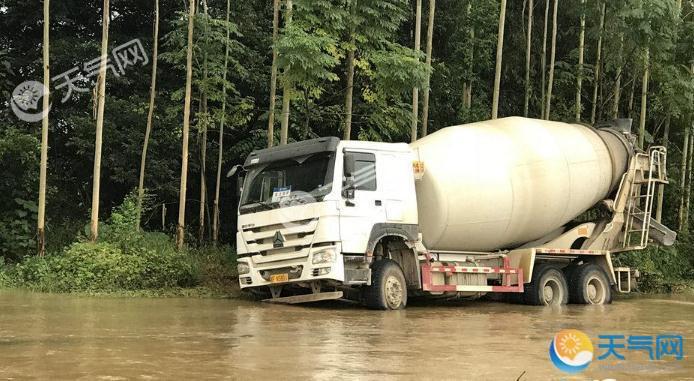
{"x": 288, "y": 182}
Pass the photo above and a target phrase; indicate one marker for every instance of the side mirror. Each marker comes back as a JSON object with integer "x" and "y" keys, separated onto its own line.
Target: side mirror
{"x": 350, "y": 165}
{"x": 348, "y": 188}
{"x": 234, "y": 170}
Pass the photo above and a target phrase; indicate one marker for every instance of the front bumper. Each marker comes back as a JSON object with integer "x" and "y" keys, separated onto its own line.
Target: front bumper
{"x": 299, "y": 270}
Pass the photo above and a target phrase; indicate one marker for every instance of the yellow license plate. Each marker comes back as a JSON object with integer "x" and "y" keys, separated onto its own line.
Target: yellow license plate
{"x": 279, "y": 278}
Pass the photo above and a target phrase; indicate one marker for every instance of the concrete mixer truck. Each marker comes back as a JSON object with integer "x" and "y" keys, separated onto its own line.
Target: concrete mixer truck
{"x": 536, "y": 209}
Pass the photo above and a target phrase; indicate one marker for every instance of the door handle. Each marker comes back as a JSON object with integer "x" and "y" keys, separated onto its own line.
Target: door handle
{"x": 378, "y": 203}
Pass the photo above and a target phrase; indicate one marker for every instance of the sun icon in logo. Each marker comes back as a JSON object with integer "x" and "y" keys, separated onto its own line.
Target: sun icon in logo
{"x": 27, "y": 95}
{"x": 571, "y": 350}
{"x": 25, "y": 101}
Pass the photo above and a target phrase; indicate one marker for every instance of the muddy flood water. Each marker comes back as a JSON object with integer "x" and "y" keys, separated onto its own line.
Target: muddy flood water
{"x": 68, "y": 337}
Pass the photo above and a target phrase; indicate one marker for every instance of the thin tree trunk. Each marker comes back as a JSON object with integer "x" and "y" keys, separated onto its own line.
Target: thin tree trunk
{"x": 150, "y": 114}
{"x": 683, "y": 176}
{"x": 203, "y": 132}
{"x": 287, "y": 91}
{"x": 548, "y": 101}
{"x": 273, "y": 75}
{"x": 644, "y": 99}
{"x": 180, "y": 229}
{"x": 596, "y": 79}
{"x": 543, "y": 61}
{"x": 467, "y": 85}
{"x": 579, "y": 69}
{"x": 528, "y": 51}
{"x": 349, "y": 91}
{"x": 630, "y": 106}
{"x": 618, "y": 81}
{"x": 415, "y": 90}
{"x": 688, "y": 192}
{"x": 41, "y": 220}
{"x": 661, "y": 187}
{"x": 220, "y": 154}
{"x": 101, "y": 94}
{"x": 307, "y": 115}
{"x": 427, "y": 88}
{"x": 499, "y": 56}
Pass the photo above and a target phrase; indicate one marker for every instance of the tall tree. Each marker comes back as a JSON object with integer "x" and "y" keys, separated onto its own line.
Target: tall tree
{"x": 202, "y": 123}
{"x": 273, "y": 75}
{"x": 684, "y": 168}
{"x": 150, "y": 114}
{"x": 215, "y": 219}
{"x": 688, "y": 190}
{"x": 579, "y": 68}
{"x": 550, "y": 81}
{"x": 467, "y": 85}
{"x": 644, "y": 97}
{"x": 101, "y": 96}
{"x": 415, "y": 90}
{"x": 349, "y": 91}
{"x": 287, "y": 90}
{"x": 543, "y": 61}
{"x": 598, "y": 56}
{"x": 528, "y": 50}
{"x": 618, "y": 80}
{"x": 430, "y": 38}
{"x": 41, "y": 220}
{"x": 499, "y": 56}
{"x": 180, "y": 228}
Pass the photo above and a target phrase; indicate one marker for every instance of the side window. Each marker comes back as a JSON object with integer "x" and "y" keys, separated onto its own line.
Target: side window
{"x": 364, "y": 170}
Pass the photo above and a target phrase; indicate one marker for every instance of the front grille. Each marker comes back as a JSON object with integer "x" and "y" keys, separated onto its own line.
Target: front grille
{"x": 297, "y": 236}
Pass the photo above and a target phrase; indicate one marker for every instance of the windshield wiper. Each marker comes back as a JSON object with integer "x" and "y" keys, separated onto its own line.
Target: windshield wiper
{"x": 267, "y": 205}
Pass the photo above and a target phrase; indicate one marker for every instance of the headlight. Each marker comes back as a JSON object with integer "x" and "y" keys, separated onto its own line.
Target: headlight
{"x": 325, "y": 256}
{"x": 243, "y": 268}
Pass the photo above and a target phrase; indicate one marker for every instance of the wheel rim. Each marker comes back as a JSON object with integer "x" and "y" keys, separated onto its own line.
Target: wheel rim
{"x": 595, "y": 291}
{"x": 551, "y": 292}
{"x": 394, "y": 292}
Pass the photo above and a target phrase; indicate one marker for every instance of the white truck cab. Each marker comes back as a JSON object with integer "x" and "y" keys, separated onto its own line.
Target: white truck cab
{"x": 308, "y": 207}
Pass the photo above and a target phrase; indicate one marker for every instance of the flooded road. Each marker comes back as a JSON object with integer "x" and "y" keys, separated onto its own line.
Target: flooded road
{"x": 67, "y": 337}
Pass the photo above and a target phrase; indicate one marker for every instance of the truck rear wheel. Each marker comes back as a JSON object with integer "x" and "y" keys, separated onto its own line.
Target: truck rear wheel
{"x": 388, "y": 290}
{"x": 548, "y": 287}
{"x": 589, "y": 285}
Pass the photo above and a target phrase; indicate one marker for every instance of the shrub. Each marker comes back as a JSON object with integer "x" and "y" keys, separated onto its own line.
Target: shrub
{"x": 125, "y": 259}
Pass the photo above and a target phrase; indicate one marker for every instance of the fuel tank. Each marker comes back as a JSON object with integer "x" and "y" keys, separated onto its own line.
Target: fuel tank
{"x": 501, "y": 183}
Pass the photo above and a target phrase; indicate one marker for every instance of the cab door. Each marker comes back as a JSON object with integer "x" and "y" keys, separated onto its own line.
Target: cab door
{"x": 362, "y": 204}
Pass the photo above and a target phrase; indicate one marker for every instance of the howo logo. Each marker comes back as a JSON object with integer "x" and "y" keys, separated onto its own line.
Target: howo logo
{"x": 278, "y": 241}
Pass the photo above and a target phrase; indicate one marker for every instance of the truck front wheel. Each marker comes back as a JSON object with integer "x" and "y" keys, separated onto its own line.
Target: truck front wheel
{"x": 548, "y": 286}
{"x": 388, "y": 290}
{"x": 589, "y": 285}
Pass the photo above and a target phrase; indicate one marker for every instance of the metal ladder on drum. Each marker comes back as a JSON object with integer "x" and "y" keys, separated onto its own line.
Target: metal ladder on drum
{"x": 649, "y": 171}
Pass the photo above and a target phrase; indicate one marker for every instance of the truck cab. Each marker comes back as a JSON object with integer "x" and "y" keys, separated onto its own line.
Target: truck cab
{"x": 312, "y": 214}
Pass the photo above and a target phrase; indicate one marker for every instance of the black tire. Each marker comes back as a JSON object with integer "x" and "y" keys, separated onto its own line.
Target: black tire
{"x": 388, "y": 290}
{"x": 589, "y": 285}
{"x": 548, "y": 286}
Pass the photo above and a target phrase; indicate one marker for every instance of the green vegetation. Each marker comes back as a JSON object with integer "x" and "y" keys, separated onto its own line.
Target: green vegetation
{"x": 663, "y": 269}
{"x": 343, "y": 68}
{"x": 125, "y": 260}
